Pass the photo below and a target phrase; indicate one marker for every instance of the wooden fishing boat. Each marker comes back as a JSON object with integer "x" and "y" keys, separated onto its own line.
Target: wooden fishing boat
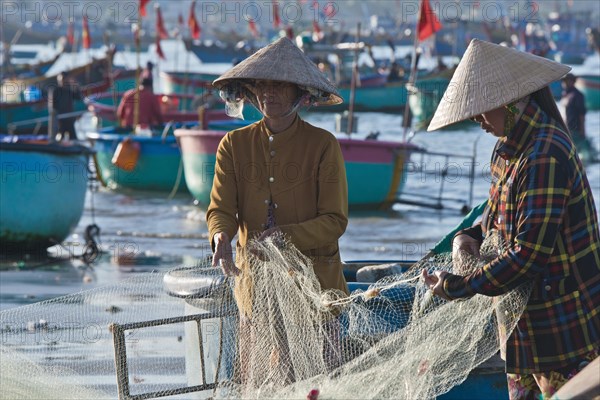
{"x": 425, "y": 97}
{"x": 20, "y": 117}
{"x": 157, "y": 164}
{"x": 156, "y": 167}
{"x": 28, "y": 70}
{"x": 374, "y": 169}
{"x": 92, "y": 73}
{"x": 43, "y": 192}
{"x": 174, "y": 107}
{"x": 386, "y": 97}
{"x": 374, "y": 93}
{"x": 218, "y": 52}
{"x": 187, "y": 83}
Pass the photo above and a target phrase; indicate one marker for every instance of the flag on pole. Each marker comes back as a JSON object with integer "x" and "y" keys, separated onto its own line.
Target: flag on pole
{"x": 136, "y": 35}
{"x": 159, "y": 49}
{"x": 161, "y": 32}
{"x": 143, "y": 7}
{"x": 193, "y": 24}
{"x": 86, "y": 41}
{"x": 276, "y": 19}
{"x": 317, "y": 33}
{"x": 71, "y": 33}
{"x": 428, "y": 23}
{"x": 252, "y": 28}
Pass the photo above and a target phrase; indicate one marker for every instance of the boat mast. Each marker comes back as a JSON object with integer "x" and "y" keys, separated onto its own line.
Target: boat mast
{"x": 136, "y": 107}
{"x": 413, "y": 75}
{"x": 353, "y": 82}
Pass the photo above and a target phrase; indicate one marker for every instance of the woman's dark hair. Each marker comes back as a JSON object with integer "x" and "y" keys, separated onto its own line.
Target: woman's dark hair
{"x": 545, "y": 100}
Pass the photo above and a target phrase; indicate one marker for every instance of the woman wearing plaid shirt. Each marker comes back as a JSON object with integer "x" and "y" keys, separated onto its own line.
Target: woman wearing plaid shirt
{"x": 541, "y": 203}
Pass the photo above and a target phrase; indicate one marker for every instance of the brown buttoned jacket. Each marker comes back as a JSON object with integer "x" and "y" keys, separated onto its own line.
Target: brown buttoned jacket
{"x": 302, "y": 171}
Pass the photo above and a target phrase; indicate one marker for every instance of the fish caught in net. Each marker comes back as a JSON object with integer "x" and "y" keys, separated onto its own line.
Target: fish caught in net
{"x": 268, "y": 333}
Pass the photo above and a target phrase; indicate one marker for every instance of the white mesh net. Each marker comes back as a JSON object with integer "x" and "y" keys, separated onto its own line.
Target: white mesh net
{"x": 270, "y": 333}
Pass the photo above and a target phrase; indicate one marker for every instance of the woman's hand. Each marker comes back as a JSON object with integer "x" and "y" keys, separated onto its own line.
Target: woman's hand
{"x": 435, "y": 283}
{"x": 223, "y": 255}
{"x": 467, "y": 244}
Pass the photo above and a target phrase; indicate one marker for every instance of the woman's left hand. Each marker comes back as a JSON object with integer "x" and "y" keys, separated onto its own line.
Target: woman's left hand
{"x": 435, "y": 282}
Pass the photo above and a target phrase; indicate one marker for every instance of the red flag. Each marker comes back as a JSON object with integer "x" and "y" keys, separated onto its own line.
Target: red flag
{"x": 159, "y": 49}
{"x": 86, "y": 41}
{"x": 252, "y": 28}
{"x": 428, "y": 23}
{"x": 71, "y": 33}
{"x": 180, "y": 19}
{"x": 276, "y": 20}
{"x": 161, "y": 32}
{"x": 143, "y": 7}
{"x": 317, "y": 31}
{"x": 193, "y": 24}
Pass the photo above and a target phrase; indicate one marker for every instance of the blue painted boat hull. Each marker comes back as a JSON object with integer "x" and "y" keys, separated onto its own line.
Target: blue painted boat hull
{"x": 157, "y": 169}
{"x": 43, "y": 194}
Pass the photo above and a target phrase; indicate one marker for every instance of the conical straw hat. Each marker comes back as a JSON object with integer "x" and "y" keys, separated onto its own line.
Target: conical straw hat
{"x": 490, "y": 76}
{"x": 282, "y": 61}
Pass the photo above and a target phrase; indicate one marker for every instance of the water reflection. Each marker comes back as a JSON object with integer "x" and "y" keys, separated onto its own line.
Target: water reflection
{"x": 26, "y": 280}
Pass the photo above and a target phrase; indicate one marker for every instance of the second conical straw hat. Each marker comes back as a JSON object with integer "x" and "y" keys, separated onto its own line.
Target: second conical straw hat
{"x": 282, "y": 61}
{"x": 490, "y": 76}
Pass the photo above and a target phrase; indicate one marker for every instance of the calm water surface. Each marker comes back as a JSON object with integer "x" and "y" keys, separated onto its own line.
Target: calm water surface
{"x": 163, "y": 233}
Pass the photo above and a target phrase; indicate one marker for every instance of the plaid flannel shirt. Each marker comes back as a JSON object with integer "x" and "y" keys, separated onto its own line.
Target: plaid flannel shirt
{"x": 541, "y": 203}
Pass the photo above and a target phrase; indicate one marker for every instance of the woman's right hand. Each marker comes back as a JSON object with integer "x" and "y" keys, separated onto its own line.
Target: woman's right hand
{"x": 223, "y": 255}
{"x": 465, "y": 243}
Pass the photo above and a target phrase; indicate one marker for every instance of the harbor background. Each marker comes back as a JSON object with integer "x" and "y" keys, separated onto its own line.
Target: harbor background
{"x": 145, "y": 232}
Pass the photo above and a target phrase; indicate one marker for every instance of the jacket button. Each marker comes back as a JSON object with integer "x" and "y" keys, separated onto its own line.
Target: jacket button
{"x": 271, "y": 179}
{"x": 271, "y": 138}
{"x": 548, "y": 288}
{"x": 272, "y": 153}
{"x": 267, "y": 201}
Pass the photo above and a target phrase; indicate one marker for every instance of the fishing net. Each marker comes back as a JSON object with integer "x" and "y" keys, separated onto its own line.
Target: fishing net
{"x": 269, "y": 333}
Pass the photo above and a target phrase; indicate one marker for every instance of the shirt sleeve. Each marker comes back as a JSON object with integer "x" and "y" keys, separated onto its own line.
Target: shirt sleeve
{"x": 541, "y": 200}
{"x": 332, "y": 204}
{"x": 221, "y": 215}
